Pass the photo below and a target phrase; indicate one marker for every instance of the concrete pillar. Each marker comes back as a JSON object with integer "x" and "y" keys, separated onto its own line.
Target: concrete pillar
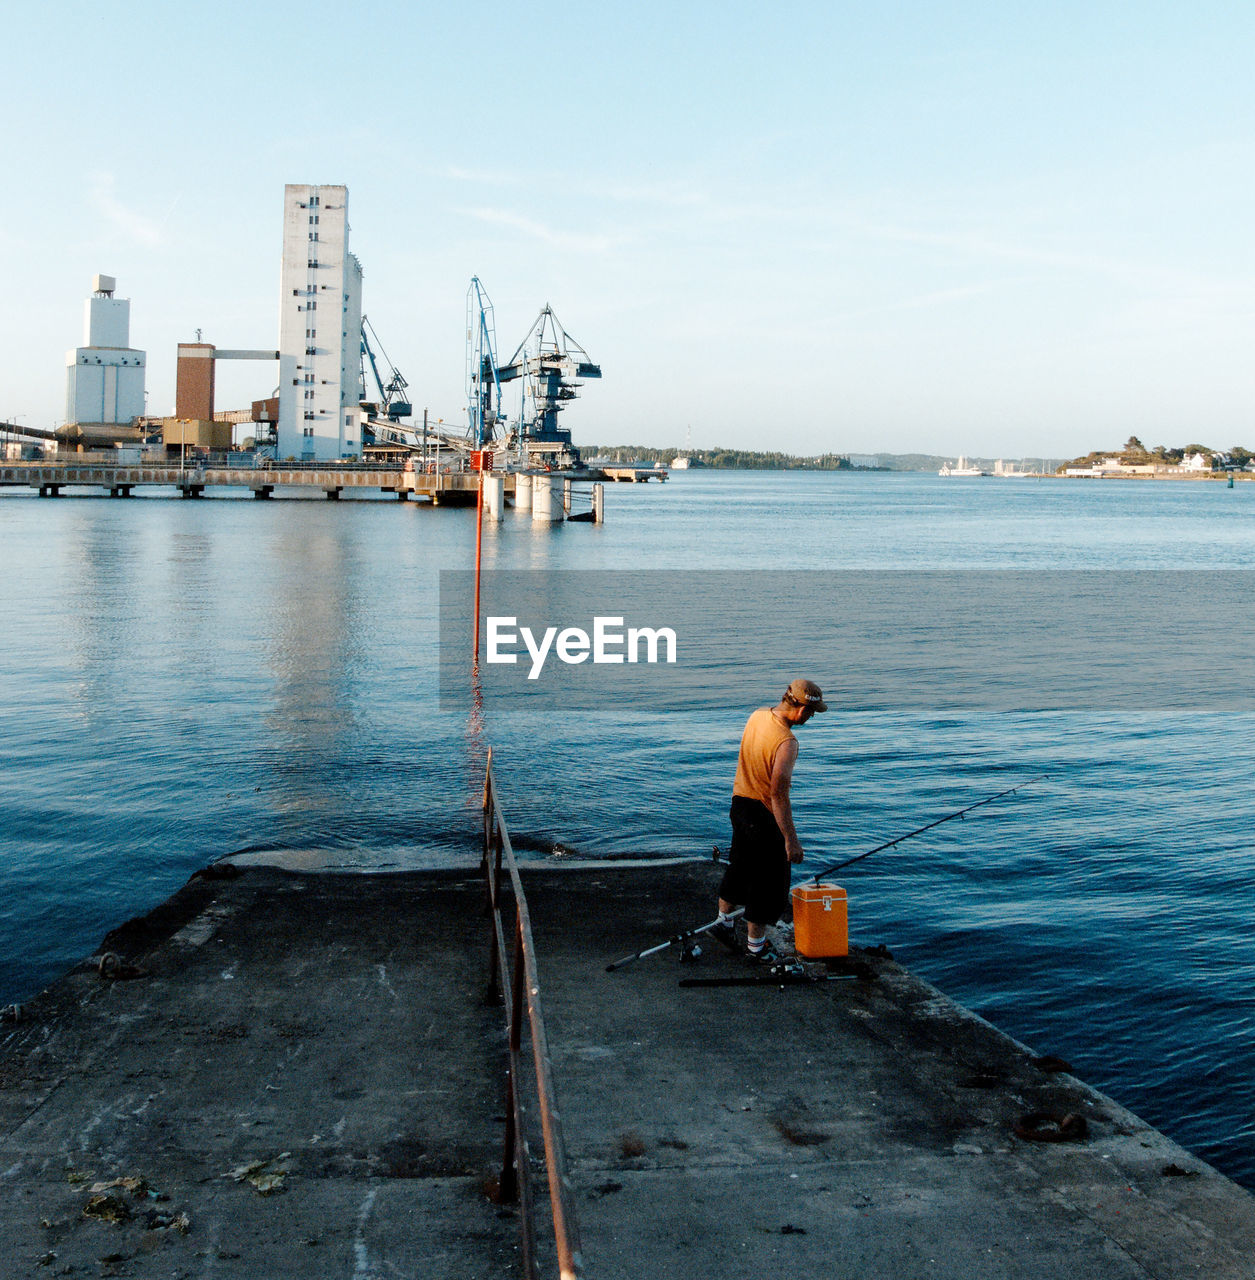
{"x": 522, "y": 493}
{"x": 566, "y": 497}
{"x": 494, "y": 497}
{"x": 599, "y": 503}
{"x": 544, "y": 509}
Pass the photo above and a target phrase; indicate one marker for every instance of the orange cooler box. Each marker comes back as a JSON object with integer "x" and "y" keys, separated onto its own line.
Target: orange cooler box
{"x": 820, "y": 924}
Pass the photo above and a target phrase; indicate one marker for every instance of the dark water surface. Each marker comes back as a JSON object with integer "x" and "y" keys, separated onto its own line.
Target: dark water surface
{"x": 186, "y": 679}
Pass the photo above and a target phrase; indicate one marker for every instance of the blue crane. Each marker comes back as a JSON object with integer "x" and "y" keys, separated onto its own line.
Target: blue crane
{"x": 548, "y": 361}
{"x": 483, "y": 388}
{"x": 394, "y": 404}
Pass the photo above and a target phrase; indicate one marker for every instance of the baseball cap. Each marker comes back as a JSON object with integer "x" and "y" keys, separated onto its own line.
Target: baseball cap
{"x": 806, "y": 693}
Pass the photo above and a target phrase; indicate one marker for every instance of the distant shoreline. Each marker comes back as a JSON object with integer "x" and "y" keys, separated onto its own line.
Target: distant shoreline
{"x": 719, "y": 458}
{"x": 1213, "y": 477}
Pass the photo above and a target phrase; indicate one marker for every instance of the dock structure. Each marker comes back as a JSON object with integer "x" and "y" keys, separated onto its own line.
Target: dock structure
{"x": 453, "y": 487}
{"x": 633, "y": 475}
{"x": 306, "y": 1082}
{"x": 293, "y": 1072}
{"x": 440, "y": 487}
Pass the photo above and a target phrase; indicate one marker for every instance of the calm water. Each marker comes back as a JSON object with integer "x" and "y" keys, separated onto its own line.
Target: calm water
{"x": 183, "y": 680}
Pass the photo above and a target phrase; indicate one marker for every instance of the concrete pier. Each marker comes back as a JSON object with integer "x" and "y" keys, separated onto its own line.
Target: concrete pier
{"x": 306, "y": 1080}
{"x": 494, "y": 497}
{"x": 300, "y": 1070}
{"x": 634, "y": 475}
{"x": 451, "y": 487}
{"x": 546, "y": 509}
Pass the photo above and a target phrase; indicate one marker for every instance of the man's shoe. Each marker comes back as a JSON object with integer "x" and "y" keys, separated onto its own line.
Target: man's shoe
{"x": 765, "y": 958}
{"x": 726, "y": 935}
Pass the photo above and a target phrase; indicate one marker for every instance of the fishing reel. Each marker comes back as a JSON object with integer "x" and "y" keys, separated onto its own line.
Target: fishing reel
{"x": 690, "y": 951}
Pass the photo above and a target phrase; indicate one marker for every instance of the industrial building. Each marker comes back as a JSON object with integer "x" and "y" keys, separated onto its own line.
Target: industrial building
{"x": 320, "y": 328}
{"x": 105, "y": 376}
{"x": 318, "y": 411}
{"x": 196, "y": 422}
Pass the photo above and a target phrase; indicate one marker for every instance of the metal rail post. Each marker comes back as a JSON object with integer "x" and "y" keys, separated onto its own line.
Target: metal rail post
{"x": 515, "y": 1179}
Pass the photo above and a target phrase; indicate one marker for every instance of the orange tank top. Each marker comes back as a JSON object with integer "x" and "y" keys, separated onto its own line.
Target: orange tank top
{"x": 764, "y": 735}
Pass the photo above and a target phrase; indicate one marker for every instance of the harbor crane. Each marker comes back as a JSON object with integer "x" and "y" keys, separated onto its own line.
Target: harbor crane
{"x": 483, "y": 389}
{"x": 394, "y": 404}
{"x": 547, "y": 363}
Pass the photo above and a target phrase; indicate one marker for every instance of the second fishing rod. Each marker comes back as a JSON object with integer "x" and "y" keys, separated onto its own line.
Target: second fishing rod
{"x": 688, "y": 934}
{"x": 928, "y": 826}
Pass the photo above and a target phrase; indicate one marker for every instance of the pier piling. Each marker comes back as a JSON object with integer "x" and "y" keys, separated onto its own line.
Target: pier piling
{"x": 543, "y": 505}
{"x": 494, "y": 497}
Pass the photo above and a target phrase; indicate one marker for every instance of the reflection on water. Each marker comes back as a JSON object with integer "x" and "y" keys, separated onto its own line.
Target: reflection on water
{"x": 313, "y": 645}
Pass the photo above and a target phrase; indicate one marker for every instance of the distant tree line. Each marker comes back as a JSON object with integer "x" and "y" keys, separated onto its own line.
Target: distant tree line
{"x": 732, "y": 459}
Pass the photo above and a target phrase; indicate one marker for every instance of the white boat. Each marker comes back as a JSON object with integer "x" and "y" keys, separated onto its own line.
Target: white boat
{"x": 961, "y": 468}
{"x": 682, "y": 462}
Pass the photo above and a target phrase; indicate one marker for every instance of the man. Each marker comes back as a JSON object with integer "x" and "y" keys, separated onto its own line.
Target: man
{"x": 764, "y": 839}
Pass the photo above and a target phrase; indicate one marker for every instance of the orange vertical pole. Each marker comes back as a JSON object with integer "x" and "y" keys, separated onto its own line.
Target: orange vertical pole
{"x": 479, "y": 542}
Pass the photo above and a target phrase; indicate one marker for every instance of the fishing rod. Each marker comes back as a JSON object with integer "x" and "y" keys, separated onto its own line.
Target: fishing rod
{"x": 679, "y": 937}
{"x": 889, "y": 844}
{"x": 688, "y": 934}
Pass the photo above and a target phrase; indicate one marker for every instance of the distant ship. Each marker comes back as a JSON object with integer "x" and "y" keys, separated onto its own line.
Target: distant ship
{"x": 961, "y": 468}
{"x": 682, "y": 462}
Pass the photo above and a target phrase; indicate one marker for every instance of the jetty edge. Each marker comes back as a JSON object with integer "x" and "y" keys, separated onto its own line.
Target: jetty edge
{"x": 302, "y": 1078}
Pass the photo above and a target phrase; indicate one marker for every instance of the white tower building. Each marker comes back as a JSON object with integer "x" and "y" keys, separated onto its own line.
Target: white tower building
{"x": 320, "y": 327}
{"x": 105, "y": 376}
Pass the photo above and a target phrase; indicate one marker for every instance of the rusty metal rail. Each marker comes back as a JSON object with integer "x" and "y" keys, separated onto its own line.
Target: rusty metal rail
{"x": 524, "y": 984}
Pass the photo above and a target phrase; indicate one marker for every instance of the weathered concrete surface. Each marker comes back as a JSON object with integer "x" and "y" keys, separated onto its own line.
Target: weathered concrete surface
{"x": 846, "y": 1129}
{"x": 331, "y": 1025}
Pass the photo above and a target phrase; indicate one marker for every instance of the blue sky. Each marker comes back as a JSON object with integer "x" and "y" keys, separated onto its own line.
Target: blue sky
{"x": 982, "y": 228}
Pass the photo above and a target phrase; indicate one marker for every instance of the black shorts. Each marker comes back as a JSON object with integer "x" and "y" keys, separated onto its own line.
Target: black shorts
{"x": 757, "y": 877}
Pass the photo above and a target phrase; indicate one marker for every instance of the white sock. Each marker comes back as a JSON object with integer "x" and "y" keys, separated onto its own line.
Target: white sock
{"x": 755, "y": 945}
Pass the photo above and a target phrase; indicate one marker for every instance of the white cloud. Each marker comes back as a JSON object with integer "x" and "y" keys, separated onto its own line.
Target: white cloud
{"x": 137, "y": 226}
{"x": 669, "y": 195}
{"x": 491, "y": 178}
{"x": 1144, "y": 274}
{"x": 935, "y": 298}
{"x": 575, "y": 242}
